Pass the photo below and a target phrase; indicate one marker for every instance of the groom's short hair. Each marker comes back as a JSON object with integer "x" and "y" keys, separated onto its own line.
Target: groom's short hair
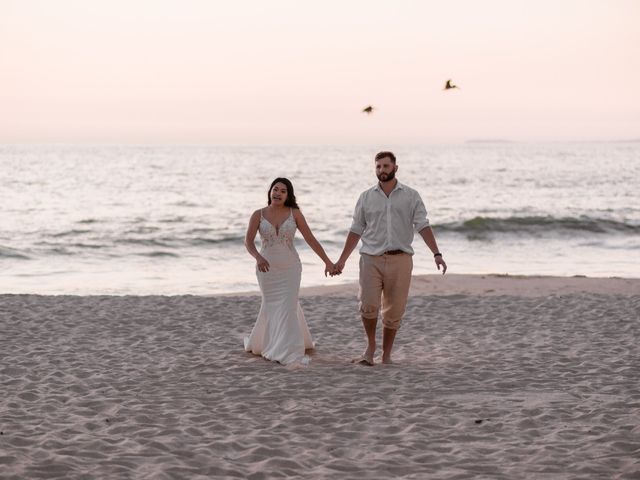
{"x": 381, "y": 155}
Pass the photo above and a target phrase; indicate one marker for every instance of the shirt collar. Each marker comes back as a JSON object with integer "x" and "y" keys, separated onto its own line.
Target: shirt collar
{"x": 398, "y": 186}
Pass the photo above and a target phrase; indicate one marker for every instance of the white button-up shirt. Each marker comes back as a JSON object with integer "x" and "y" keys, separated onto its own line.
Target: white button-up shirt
{"x": 388, "y": 223}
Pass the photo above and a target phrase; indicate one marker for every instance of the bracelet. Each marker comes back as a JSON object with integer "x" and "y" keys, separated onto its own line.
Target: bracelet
{"x": 437, "y": 254}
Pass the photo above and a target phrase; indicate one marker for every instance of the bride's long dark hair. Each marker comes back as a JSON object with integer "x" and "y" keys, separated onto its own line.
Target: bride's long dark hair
{"x": 291, "y": 197}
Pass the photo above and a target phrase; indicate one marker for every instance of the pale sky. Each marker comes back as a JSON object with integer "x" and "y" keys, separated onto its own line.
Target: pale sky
{"x": 299, "y": 72}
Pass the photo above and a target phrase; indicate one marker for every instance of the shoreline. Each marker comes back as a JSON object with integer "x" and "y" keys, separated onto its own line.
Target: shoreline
{"x": 485, "y": 284}
{"x": 493, "y": 284}
{"x": 490, "y": 284}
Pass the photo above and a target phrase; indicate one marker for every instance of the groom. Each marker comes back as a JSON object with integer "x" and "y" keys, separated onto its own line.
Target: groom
{"x": 384, "y": 218}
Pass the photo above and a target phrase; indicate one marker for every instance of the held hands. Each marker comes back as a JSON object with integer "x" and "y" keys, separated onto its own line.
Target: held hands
{"x": 262, "y": 264}
{"x": 332, "y": 269}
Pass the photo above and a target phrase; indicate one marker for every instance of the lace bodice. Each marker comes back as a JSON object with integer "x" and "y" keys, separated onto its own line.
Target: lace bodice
{"x": 283, "y": 236}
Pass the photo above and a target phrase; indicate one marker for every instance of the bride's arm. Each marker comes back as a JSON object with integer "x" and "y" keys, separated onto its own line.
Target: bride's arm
{"x": 311, "y": 240}
{"x": 250, "y": 244}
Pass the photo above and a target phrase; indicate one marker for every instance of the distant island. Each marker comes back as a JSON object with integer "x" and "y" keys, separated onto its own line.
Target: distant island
{"x": 500, "y": 140}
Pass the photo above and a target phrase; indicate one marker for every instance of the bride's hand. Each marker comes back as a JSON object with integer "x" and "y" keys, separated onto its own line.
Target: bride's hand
{"x": 262, "y": 264}
{"x": 331, "y": 269}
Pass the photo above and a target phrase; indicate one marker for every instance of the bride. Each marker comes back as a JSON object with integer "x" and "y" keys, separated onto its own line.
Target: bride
{"x": 280, "y": 332}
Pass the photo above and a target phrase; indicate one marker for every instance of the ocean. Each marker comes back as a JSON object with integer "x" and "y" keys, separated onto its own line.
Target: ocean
{"x": 139, "y": 220}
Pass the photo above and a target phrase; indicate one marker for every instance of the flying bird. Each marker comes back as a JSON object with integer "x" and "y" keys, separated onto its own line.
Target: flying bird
{"x": 368, "y": 110}
{"x": 449, "y": 85}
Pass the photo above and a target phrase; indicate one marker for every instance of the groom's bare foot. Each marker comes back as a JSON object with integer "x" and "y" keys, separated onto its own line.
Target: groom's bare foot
{"x": 365, "y": 359}
{"x": 387, "y": 360}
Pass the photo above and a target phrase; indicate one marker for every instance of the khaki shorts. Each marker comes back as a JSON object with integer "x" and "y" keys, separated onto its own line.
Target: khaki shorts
{"x": 385, "y": 280}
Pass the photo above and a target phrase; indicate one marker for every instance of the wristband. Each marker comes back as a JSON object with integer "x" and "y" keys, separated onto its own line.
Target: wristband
{"x": 437, "y": 254}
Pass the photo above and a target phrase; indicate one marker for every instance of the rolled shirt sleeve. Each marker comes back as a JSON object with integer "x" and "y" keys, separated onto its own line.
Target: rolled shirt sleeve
{"x": 358, "y": 225}
{"x": 420, "y": 220}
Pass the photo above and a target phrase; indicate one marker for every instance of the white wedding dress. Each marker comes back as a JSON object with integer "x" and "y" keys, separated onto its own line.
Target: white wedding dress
{"x": 280, "y": 333}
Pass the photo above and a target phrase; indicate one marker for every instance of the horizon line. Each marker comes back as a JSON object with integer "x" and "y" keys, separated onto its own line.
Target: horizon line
{"x": 307, "y": 144}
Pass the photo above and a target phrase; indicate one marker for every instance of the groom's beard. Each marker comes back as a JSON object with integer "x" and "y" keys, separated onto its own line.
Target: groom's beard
{"x": 387, "y": 176}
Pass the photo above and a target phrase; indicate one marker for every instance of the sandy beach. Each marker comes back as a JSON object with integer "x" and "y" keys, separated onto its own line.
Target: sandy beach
{"x": 495, "y": 377}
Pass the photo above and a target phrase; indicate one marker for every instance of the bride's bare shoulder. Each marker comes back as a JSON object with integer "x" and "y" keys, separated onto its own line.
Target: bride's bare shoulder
{"x": 256, "y": 215}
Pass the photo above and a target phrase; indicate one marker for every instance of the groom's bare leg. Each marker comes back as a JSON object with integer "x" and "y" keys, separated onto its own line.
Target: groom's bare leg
{"x": 388, "y": 336}
{"x": 369, "y": 325}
